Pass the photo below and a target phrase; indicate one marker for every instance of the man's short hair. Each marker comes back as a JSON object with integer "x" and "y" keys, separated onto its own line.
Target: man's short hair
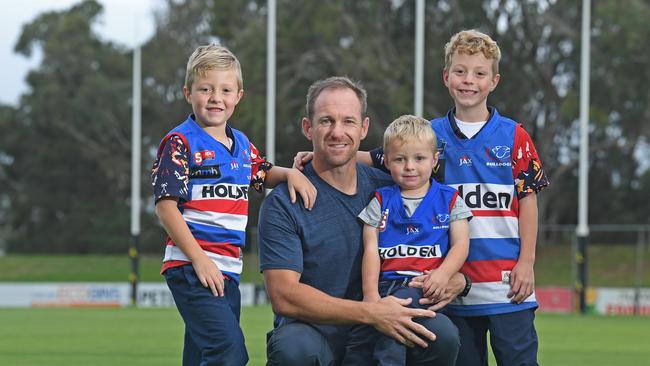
{"x": 408, "y": 127}
{"x": 335, "y": 82}
{"x": 471, "y": 42}
{"x": 212, "y": 57}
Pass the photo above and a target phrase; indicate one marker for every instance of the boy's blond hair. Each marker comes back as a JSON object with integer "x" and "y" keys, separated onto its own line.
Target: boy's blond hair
{"x": 212, "y": 57}
{"x": 408, "y": 127}
{"x": 471, "y": 42}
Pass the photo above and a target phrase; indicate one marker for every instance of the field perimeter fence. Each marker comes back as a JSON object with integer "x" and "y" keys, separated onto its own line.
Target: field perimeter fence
{"x": 617, "y": 256}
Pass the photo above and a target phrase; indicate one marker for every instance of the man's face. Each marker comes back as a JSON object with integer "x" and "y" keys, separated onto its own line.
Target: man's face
{"x": 336, "y": 129}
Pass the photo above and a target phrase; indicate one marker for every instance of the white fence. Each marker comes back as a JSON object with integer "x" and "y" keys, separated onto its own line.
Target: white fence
{"x": 102, "y": 294}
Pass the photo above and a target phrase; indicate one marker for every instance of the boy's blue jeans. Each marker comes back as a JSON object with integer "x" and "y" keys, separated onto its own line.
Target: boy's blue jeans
{"x": 367, "y": 346}
{"x": 212, "y": 332}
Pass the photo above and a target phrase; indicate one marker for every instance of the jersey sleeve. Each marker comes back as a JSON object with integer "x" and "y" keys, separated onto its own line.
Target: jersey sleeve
{"x": 459, "y": 209}
{"x": 259, "y": 168}
{"x": 377, "y": 156}
{"x": 371, "y": 214}
{"x": 527, "y": 168}
{"x": 170, "y": 172}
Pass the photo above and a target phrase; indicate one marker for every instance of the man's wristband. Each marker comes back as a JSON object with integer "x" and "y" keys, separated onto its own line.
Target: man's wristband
{"x": 468, "y": 286}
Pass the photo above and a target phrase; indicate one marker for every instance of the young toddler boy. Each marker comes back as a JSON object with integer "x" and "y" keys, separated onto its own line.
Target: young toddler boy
{"x": 414, "y": 227}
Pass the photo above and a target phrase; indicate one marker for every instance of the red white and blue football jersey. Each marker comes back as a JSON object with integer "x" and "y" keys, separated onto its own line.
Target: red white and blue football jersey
{"x": 409, "y": 245}
{"x": 214, "y": 203}
{"x": 481, "y": 169}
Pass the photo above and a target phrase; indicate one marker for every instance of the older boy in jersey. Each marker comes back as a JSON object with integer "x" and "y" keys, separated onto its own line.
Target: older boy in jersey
{"x": 493, "y": 163}
{"x": 201, "y": 178}
{"x": 414, "y": 227}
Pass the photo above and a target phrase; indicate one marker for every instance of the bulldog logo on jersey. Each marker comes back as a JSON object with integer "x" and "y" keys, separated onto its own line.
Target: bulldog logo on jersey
{"x": 440, "y": 221}
{"x": 498, "y": 156}
{"x": 247, "y": 156}
{"x": 442, "y": 218}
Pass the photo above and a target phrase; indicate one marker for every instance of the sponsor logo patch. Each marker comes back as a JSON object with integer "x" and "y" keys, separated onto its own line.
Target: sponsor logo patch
{"x": 411, "y": 229}
{"x": 222, "y": 191}
{"x": 206, "y": 171}
{"x": 465, "y": 160}
{"x": 505, "y": 277}
{"x": 486, "y": 196}
{"x": 404, "y": 251}
{"x": 384, "y": 218}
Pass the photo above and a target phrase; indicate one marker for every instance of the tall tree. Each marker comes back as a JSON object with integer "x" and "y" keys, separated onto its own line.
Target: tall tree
{"x": 70, "y": 167}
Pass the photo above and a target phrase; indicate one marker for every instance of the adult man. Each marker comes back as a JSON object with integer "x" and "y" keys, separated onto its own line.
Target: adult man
{"x": 311, "y": 260}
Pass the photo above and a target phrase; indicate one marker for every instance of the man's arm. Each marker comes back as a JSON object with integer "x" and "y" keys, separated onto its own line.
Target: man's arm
{"x": 304, "y": 157}
{"x": 293, "y": 299}
{"x": 522, "y": 276}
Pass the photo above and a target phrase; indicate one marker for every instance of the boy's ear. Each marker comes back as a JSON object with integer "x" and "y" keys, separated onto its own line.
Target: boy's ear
{"x": 445, "y": 77}
{"x": 495, "y": 82}
{"x": 240, "y": 94}
{"x": 187, "y": 93}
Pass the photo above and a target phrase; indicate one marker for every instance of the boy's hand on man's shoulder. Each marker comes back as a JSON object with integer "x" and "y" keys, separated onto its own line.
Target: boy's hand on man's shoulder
{"x": 302, "y": 158}
{"x": 299, "y": 183}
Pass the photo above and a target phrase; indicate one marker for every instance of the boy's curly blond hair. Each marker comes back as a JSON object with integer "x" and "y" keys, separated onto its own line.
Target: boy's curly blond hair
{"x": 471, "y": 42}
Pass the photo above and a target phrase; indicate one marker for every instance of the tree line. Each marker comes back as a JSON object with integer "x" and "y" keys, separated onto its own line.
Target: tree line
{"x": 65, "y": 148}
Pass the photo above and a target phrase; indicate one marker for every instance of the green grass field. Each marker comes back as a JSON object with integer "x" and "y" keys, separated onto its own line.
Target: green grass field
{"x": 75, "y": 336}
{"x": 135, "y": 337}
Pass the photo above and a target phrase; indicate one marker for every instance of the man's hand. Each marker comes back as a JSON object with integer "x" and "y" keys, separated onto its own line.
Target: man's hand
{"x": 455, "y": 286}
{"x": 209, "y": 275}
{"x": 522, "y": 282}
{"x": 392, "y": 317}
{"x": 302, "y": 158}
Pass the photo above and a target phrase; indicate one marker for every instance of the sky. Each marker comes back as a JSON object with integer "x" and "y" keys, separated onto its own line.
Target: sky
{"x": 118, "y": 23}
